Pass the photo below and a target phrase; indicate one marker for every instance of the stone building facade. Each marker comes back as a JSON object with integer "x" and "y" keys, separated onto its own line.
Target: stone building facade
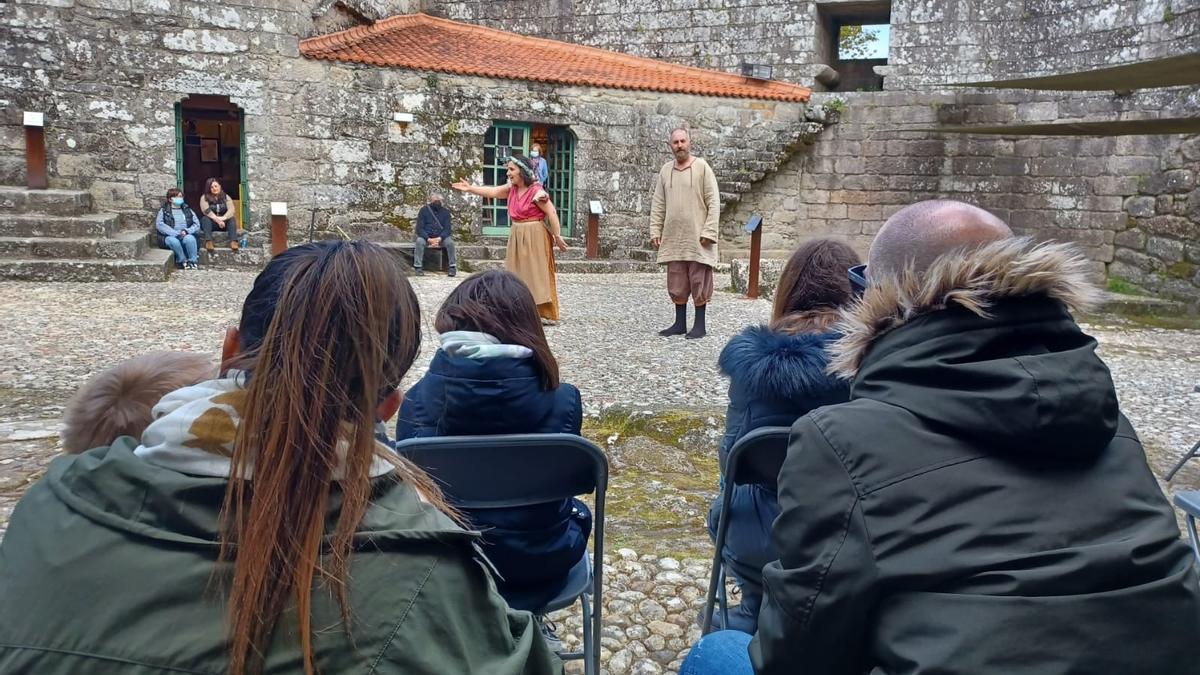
{"x": 320, "y": 136}
{"x": 1130, "y": 201}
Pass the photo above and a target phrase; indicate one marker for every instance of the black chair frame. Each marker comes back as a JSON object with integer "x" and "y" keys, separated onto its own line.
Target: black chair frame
{"x": 754, "y": 458}
{"x": 511, "y": 470}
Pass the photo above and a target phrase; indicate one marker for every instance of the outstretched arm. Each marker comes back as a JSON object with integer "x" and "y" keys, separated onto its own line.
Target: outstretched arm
{"x": 490, "y": 191}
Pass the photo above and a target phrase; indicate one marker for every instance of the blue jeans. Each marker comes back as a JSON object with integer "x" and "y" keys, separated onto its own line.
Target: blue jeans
{"x": 184, "y": 249}
{"x": 720, "y": 653}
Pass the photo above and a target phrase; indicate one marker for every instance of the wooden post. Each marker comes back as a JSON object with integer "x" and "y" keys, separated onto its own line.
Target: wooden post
{"x": 35, "y": 151}
{"x": 279, "y": 228}
{"x": 755, "y": 227}
{"x": 593, "y": 236}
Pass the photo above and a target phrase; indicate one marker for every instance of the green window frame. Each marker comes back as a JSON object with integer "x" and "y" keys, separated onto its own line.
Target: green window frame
{"x": 561, "y": 182}
{"x": 500, "y": 141}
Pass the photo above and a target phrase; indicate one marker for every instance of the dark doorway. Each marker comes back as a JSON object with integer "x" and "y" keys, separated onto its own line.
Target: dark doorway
{"x": 854, "y": 38}
{"x": 210, "y": 142}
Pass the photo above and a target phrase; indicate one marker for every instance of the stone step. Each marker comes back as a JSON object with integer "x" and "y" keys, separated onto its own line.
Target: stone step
{"x": 1121, "y": 303}
{"x": 248, "y": 259}
{"x": 498, "y": 251}
{"x": 574, "y": 266}
{"x": 643, "y": 254}
{"x": 57, "y": 202}
{"x": 123, "y": 245}
{"x": 153, "y": 265}
{"x": 42, "y": 225}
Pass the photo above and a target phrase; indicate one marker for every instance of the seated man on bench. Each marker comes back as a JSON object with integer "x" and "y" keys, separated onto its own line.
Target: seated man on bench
{"x": 433, "y": 229}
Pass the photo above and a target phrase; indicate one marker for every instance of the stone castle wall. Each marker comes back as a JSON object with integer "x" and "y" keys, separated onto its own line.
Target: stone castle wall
{"x": 319, "y": 134}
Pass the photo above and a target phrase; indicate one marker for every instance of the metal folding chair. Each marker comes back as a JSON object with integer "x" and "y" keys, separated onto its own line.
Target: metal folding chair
{"x": 505, "y": 471}
{"x": 754, "y": 458}
{"x": 1194, "y": 452}
{"x": 1189, "y": 503}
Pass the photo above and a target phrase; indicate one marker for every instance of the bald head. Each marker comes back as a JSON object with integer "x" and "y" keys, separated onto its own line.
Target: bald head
{"x": 916, "y": 235}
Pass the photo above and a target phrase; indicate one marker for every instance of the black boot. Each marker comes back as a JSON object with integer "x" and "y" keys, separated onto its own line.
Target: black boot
{"x": 697, "y": 330}
{"x": 680, "y": 325}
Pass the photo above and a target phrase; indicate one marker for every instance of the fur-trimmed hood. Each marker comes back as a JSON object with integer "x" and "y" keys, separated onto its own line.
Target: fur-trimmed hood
{"x": 974, "y": 280}
{"x": 983, "y": 349}
{"x": 765, "y": 364}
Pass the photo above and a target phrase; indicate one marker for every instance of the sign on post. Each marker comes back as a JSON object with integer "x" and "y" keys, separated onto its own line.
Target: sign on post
{"x": 279, "y": 227}
{"x": 754, "y": 227}
{"x": 35, "y": 151}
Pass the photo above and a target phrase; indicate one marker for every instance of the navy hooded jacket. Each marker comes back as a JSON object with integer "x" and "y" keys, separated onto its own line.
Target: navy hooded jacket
{"x": 532, "y": 547}
{"x": 774, "y": 379}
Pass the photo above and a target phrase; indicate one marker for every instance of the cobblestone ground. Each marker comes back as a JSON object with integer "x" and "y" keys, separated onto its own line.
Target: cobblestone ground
{"x": 53, "y": 336}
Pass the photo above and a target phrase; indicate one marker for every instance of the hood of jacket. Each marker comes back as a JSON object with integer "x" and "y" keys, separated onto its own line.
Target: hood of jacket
{"x": 983, "y": 347}
{"x": 472, "y": 396}
{"x": 771, "y": 365}
{"x": 114, "y": 487}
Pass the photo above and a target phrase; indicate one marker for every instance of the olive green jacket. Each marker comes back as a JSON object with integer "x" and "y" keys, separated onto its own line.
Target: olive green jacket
{"x": 108, "y": 567}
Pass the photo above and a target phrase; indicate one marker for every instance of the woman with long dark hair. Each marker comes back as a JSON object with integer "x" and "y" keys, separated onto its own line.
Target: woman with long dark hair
{"x": 259, "y": 526}
{"x": 533, "y": 232}
{"x": 217, "y": 210}
{"x": 777, "y": 374}
{"x": 495, "y": 374}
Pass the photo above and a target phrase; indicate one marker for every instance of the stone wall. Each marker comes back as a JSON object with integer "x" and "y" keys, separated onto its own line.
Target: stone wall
{"x": 319, "y": 134}
{"x": 1130, "y": 202}
{"x": 933, "y": 41}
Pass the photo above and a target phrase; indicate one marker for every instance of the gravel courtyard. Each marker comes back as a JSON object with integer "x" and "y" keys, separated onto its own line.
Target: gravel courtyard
{"x": 656, "y": 404}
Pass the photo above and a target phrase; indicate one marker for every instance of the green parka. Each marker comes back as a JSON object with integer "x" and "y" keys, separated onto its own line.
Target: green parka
{"x": 108, "y": 567}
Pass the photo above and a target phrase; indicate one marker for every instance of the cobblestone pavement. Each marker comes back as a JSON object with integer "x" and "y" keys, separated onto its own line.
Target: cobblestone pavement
{"x": 53, "y": 336}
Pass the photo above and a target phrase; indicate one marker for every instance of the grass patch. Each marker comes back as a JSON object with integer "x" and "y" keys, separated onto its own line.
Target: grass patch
{"x": 1119, "y": 285}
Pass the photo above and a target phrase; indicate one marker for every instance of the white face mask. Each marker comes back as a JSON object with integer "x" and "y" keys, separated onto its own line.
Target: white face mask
{"x": 535, "y": 153}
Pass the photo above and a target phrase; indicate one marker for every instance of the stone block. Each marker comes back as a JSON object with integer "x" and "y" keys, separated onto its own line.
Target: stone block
{"x": 1179, "y": 180}
{"x": 1167, "y": 250}
{"x": 1139, "y": 207}
{"x": 1134, "y": 239}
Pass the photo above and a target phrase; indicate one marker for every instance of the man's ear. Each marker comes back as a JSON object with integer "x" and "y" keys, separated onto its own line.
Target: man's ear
{"x": 230, "y": 346}
{"x": 389, "y": 405}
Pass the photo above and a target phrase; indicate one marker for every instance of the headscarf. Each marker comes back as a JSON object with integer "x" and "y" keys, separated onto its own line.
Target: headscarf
{"x": 526, "y": 169}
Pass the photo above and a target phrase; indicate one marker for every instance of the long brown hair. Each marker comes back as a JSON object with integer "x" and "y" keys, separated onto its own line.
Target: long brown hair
{"x": 812, "y": 286}
{"x": 327, "y": 330}
{"x": 496, "y": 302}
{"x": 208, "y": 190}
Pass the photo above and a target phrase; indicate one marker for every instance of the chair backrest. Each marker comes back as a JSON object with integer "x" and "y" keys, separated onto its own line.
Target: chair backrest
{"x": 507, "y": 470}
{"x": 1189, "y": 503}
{"x": 758, "y": 456}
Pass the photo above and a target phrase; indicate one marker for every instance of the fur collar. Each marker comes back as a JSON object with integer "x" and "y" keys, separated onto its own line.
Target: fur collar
{"x": 768, "y": 364}
{"x": 972, "y": 279}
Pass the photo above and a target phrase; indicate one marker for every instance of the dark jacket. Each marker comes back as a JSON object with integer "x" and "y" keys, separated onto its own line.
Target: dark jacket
{"x": 532, "y": 546}
{"x": 433, "y": 220}
{"x": 774, "y": 378}
{"x": 108, "y": 567}
{"x": 980, "y": 505}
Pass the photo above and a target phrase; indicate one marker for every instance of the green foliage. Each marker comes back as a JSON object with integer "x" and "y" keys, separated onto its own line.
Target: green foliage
{"x": 431, "y": 81}
{"x": 835, "y": 105}
{"x": 1181, "y": 270}
{"x": 399, "y": 222}
{"x": 1168, "y": 15}
{"x": 1118, "y": 285}
{"x": 854, "y": 42}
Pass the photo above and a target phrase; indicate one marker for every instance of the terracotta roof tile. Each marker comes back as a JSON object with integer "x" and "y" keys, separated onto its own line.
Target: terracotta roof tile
{"x": 423, "y": 42}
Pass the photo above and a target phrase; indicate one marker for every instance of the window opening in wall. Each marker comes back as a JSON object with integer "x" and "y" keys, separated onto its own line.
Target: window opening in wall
{"x": 855, "y": 38}
{"x": 558, "y": 149}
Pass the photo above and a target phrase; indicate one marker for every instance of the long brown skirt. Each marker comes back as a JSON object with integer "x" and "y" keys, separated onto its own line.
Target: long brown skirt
{"x": 530, "y": 256}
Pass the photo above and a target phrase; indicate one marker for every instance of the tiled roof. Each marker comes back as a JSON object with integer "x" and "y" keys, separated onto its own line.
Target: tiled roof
{"x": 423, "y": 42}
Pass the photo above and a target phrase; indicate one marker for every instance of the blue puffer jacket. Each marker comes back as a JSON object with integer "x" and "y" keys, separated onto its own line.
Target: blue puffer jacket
{"x": 774, "y": 379}
{"x": 532, "y": 547}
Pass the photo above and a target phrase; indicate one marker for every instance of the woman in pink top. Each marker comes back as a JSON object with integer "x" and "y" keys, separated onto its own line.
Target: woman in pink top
{"x": 533, "y": 232}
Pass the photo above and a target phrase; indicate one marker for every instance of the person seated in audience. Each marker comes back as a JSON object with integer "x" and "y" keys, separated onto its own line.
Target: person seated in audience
{"x": 217, "y": 211}
{"x": 117, "y": 401}
{"x": 176, "y": 225}
{"x": 980, "y": 505}
{"x": 776, "y": 374}
{"x": 259, "y": 526}
{"x": 494, "y": 374}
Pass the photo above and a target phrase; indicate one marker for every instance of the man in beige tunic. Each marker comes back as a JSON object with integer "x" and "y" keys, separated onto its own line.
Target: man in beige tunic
{"x": 684, "y": 215}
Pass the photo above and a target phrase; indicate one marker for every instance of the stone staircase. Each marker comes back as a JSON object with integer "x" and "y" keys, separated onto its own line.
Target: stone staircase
{"x": 55, "y": 235}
